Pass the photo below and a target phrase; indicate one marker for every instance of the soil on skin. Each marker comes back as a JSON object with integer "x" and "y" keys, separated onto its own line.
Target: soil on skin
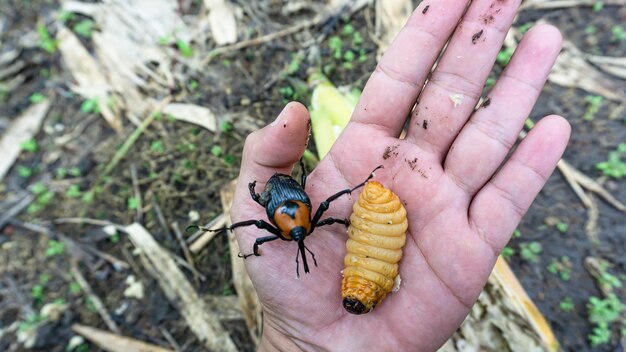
{"x": 181, "y": 168}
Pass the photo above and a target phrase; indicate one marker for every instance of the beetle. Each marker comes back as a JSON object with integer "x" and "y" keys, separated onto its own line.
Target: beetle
{"x": 289, "y": 210}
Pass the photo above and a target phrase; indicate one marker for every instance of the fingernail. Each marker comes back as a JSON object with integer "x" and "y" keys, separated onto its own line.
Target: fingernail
{"x": 280, "y": 116}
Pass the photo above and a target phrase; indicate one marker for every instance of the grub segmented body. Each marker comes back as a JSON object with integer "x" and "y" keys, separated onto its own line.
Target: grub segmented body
{"x": 376, "y": 234}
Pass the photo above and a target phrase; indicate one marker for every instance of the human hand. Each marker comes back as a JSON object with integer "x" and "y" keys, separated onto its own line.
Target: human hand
{"x": 462, "y": 206}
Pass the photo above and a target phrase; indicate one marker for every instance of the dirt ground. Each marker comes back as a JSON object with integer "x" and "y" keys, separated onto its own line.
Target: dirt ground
{"x": 180, "y": 168}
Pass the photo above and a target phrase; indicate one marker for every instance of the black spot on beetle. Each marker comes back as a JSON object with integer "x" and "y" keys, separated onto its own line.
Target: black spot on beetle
{"x": 425, "y": 9}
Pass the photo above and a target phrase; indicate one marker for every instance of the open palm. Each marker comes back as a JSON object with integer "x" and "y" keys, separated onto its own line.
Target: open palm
{"x": 463, "y": 202}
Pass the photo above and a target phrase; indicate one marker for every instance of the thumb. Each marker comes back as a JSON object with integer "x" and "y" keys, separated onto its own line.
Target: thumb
{"x": 276, "y": 147}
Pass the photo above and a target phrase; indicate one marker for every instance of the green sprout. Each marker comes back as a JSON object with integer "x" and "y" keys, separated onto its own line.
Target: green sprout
{"x": 45, "y": 39}
{"x": 335, "y": 44}
{"x": 90, "y": 106}
{"x": 216, "y": 150}
{"x": 36, "y": 98}
{"x": 566, "y": 304}
{"x": 84, "y": 28}
{"x": 24, "y": 171}
{"x": 530, "y": 251}
{"x": 602, "y": 313}
{"x": 618, "y": 33}
{"x": 73, "y": 191}
{"x": 507, "y": 252}
{"x": 598, "y": 6}
{"x": 55, "y": 248}
{"x": 614, "y": 166}
{"x": 562, "y": 267}
{"x": 132, "y": 203}
{"x": 562, "y": 227}
{"x": 184, "y": 48}
{"x": 594, "y": 103}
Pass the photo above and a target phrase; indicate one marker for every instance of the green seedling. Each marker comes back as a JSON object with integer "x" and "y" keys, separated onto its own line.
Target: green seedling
{"x": 132, "y": 203}
{"x": 226, "y": 127}
{"x": 562, "y": 267}
{"x": 37, "y": 293}
{"x": 594, "y": 103}
{"x": 44, "y": 197}
{"x": 184, "y": 48}
{"x": 75, "y": 288}
{"x": 73, "y": 191}
{"x": 193, "y": 85}
{"x": 90, "y": 106}
{"x": 591, "y": 29}
{"x": 614, "y": 166}
{"x": 157, "y": 146}
{"x": 45, "y": 39}
{"x": 36, "y": 98}
{"x": 517, "y": 233}
{"x": 618, "y": 33}
{"x": 55, "y": 248}
{"x": 490, "y": 82}
{"x": 230, "y": 160}
{"x": 226, "y": 63}
{"x": 357, "y": 39}
{"x": 31, "y": 322}
{"x": 566, "y": 304}
{"x": 507, "y": 252}
{"x": 598, "y": 6}
{"x": 74, "y": 171}
{"x": 65, "y": 16}
{"x": 29, "y": 146}
{"x": 606, "y": 279}
{"x": 24, "y": 171}
{"x": 562, "y": 227}
{"x": 84, "y": 28}
{"x": 295, "y": 63}
{"x": 216, "y": 150}
{"x": 602, "y": 313}
{"x": 335, "y": 43}
{"x": 530, "y": 251}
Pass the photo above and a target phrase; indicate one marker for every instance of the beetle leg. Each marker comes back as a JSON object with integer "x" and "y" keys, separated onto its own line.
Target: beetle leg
{"x": 255, "y": 196}
{"x": 304, "y": 175}
{"x": 255, "y": 249}
{"x": 329, "y": 221}
{"x": 325, "y": 204}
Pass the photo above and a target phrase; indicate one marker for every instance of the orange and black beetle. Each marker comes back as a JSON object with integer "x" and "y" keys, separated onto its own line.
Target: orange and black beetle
{"x": 288, "y": 208}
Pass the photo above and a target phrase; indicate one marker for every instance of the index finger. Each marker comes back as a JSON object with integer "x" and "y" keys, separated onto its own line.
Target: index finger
{"x": 394, "y": 86}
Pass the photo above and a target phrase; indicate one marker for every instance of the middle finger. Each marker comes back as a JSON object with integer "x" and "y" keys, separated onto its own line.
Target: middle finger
{"x": 457, "y": 82}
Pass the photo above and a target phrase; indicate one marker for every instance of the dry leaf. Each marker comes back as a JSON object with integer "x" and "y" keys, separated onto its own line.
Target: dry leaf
{"x": 21, "y": 130}
{"x": 91, "y": 83}
{"x": 222, "y": 21}
{"x": 391, "y": 15}
{"x": 191, "y": 113}
{"x": 613, "y": 65}
{"x": 113, "y": 342}
{"x": 573, "y": 71}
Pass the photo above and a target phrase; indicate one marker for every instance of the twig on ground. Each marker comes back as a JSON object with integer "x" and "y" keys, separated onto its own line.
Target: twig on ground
{"x": 121, "y": 153}
{"x": 591, "y": 227}
{"x": 170, "y": 339}
{"x": 161, "y": 219}
{"x": 115, "y": 342}
{"x": 181, "y": 241}
{"x": 97, "y": 303}
{"x": 16, "y": 209}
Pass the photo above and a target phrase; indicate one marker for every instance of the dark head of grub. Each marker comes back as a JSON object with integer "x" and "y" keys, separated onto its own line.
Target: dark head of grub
{"x": 354, "y": 306}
